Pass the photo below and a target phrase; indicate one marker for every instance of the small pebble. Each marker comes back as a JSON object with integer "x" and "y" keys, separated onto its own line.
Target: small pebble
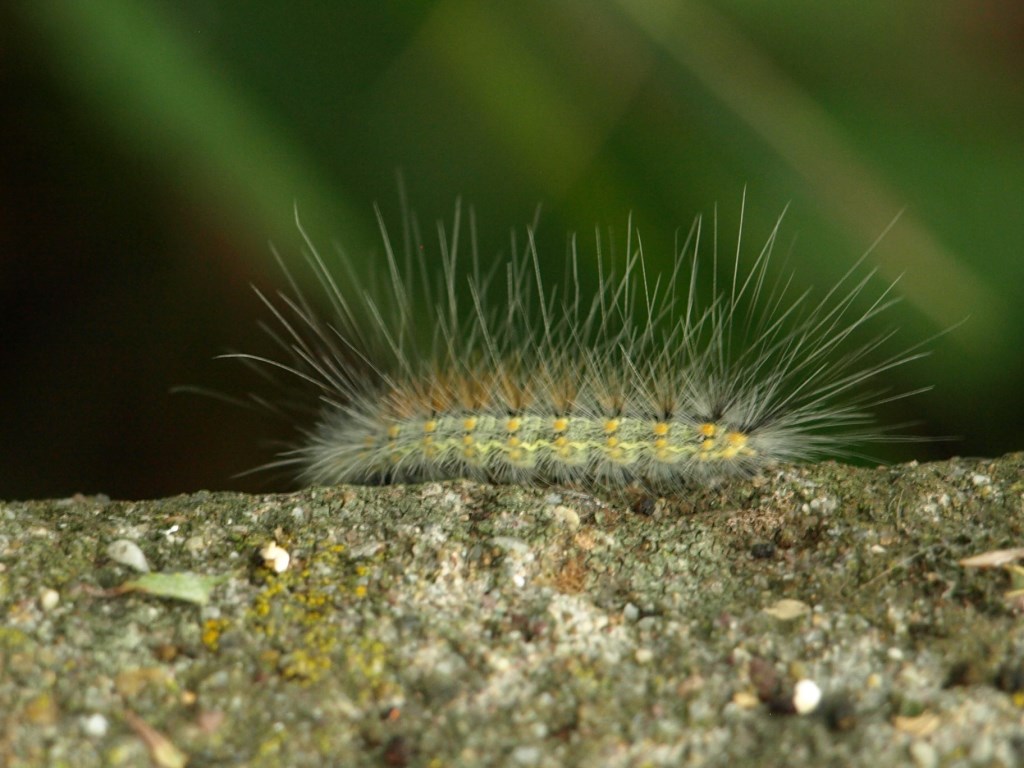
{"x": 526, "y": 755}
{"x": 787, "y": 609}
{"x": 276, "y": 558}
{"x": 567, "y": 516}
{"x": 806, "y": 696}
{"x": 630, "y": 613}
{"x": 128, "y": 553}
{"x": 762, "y": 550}
{"x": 924, "y": 754}
{"x": 48, "y": 599}
{"x": 95, "y": 725}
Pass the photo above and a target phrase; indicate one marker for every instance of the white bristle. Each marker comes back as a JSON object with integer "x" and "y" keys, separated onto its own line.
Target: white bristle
{"x": 642, "y": 381}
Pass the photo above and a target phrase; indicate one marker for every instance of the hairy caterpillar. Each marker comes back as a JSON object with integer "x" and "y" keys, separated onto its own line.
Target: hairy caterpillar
{"x": 641, "y": 381}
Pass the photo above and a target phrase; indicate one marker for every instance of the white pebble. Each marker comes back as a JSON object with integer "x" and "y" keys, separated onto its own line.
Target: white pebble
{"x": 526, "y": 755}
{"x": 95, "y": 725}
{"x": 276, "y": 558}
{"x": 806, "y": 696}
{"x": 924, "y": 754}
{"x": 824, "y": 505}
{"x": 48, "y": 598}
{"x": 128, "y": 553}
{"x": 568, "y": 516}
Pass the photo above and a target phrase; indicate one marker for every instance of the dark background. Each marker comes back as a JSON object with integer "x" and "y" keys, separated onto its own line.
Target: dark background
{"x": 149, "y": 151}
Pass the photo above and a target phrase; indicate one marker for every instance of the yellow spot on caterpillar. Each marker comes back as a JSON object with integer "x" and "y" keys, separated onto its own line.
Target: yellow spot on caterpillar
{"x": 736, "y": 445}
{"x": 560, "y": 425}
{"x": 737, "y": 439}
{"x": 467, "y": 440}
{"x": 429, "y": 449}
{"x": 611, "y": 442}
{"x": 469, "y": 424}
{"x": 661, "y": 443}
{"x": 561, "y": 442}
{"x": 513, "y": 424}
{"x": 513, "y": 442}
{"x": 707, "y": 446}
{"x": 430, "y": 426}
{"x": 611, "y": 425}
{"x": 394, "y": 431}
{"x": 707, "y": 430}
{"x": 660, "y": 429}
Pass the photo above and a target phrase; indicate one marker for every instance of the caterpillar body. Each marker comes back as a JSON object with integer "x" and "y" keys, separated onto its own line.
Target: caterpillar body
{"x": 641, "y": 381}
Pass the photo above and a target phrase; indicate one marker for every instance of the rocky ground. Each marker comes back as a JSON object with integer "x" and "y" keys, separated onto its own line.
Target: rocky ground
{"x": 821, "y": 615}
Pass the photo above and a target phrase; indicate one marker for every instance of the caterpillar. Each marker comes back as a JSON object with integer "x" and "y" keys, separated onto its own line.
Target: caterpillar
{"x": 708, "y": 371}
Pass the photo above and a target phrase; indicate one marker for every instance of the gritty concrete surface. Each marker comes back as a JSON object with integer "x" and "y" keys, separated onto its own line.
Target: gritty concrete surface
{"x": 459, "y": 624}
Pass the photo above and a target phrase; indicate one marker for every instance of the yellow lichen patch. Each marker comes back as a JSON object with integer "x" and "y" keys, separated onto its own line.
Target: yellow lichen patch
{"x": 132, "y": 681}
{"x": 304, "y": 664}
{"x": 368, "y": 657}
{"x": 41, "y": 710}
{"x": 212, "y": 629}
{"x": 302, "y": 616}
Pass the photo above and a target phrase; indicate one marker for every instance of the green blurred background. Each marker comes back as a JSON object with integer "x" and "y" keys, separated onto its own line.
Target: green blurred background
{"x": 151, "y": 150}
